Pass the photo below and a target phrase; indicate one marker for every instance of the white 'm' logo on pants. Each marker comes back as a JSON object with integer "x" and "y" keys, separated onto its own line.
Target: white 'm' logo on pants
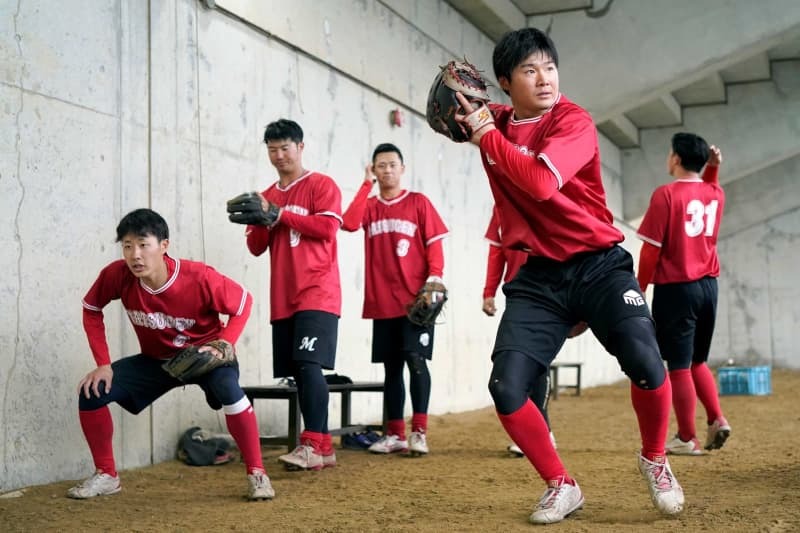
{"x": 307, "y": 344}
{"x": 632, "y": 297}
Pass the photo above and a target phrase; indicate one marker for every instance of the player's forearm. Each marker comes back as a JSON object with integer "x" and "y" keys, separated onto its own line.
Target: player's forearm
{"x": 354, "y": 213}
{"x": 257, "y": 239}
{"x": 648, "y": 260}
{"x": 528, "y": 173}
{"x": 711, "y": 174}
{"x": 96, "y": 335}
{"x": 322, "y": 227}
{"x": 235, "y": 326}
{"x": 494, "y": 271}
{"x": 434, "y": 254}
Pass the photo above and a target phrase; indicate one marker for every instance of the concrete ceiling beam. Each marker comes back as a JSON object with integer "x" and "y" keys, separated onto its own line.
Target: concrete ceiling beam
{"x": 620, "y": 131}
{"x": 709, "y": 90}
{"x": 493, "y": 17}
{"x": 663, "y": 111}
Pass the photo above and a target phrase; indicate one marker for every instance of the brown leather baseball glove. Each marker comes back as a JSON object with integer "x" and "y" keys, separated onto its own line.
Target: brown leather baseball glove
{"x": 190, "y": 363}
{"x": 463, "y": 77}
{"x": 428, "y": 303}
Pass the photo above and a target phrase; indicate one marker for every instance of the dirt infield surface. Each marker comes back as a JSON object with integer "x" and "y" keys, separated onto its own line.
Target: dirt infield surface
{"x": 468, "y": 482}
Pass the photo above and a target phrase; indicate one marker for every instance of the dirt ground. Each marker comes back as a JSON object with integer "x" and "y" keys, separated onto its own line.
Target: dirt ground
{"x": 468, "y": 482}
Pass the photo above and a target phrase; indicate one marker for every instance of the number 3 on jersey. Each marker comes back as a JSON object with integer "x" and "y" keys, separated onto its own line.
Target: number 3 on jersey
{"x": 704, "y": 218}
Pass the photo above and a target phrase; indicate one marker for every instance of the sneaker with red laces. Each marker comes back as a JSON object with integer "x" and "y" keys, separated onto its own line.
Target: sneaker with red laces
{"x": 558, "y": 501}
{"x": 665, "y": 491}
{"x": 676, "y": 446}
{"x": 718, "y": 433}
{"x": 329, "y": 461}
{"x": 302, "y": 458}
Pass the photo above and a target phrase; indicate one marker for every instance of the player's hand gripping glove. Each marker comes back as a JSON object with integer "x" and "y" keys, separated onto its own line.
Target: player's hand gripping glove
{"x": 428, "y": 303}
{"x": 247, "y": 208}
{"x": 190, "y": 363}
{"x": 462, "y": 77}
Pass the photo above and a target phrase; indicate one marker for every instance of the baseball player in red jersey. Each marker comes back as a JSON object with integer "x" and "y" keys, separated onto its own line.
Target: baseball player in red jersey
{"x": 403, "y": 235}
{"x": 172, "y": 304}
{"x": 543, "y": 162}
{"x": 679, "y": 256}
{"x": 305, "y": 294}
{"x": 505, "y": 261}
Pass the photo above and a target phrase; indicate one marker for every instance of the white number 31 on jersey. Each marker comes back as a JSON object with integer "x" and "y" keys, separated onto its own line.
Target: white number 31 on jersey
{"x": 704, "y": 217}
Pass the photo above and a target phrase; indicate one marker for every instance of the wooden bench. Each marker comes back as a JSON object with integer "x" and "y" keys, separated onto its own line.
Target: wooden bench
{"x": 555, "y": 385}
{"x": 288, "y": 392}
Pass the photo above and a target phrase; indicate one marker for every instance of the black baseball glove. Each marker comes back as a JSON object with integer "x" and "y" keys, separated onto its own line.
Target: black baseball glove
{"x": 463, "y": 77}
{"x": 248, "y": 209}
{"x": 428, "y": 303}
{"x": 190, "y": 363}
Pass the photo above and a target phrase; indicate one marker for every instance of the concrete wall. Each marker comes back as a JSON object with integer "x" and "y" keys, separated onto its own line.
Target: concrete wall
{"x": 758, "y": 312}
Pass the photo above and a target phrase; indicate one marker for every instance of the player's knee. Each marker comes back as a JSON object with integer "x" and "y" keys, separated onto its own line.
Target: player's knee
{"x": 633, "y": 342}
{"x": 416, "y": 363}
{"x": 93, "y": 402}
{"x": 507, "y": 397}
{"x": 224, "y": 385}
{"x": 308, "y": 372}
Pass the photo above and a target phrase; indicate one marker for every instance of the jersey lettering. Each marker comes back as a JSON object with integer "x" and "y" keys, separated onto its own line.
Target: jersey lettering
{"x": 392, "y": 225}
{"x": 703, "y": 218}
{"x": 159, "y": 320}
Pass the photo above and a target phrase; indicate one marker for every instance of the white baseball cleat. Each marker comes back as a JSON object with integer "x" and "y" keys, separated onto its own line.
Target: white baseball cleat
{"x": 665, "y": 491}
{"x": 558, "y": 501}
{"x": 389, "y": 444}
{"x": 718, "y": 433}
{"x": 260, "y": 486}
{"x": 418, "y": 443}
{"x": 676, "y": 446}
{"x": 100, "y": 484}
{"x": 302, "y": 458}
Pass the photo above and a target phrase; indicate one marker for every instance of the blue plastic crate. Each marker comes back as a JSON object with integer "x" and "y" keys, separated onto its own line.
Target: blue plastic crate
{"x": 751, "y": 380}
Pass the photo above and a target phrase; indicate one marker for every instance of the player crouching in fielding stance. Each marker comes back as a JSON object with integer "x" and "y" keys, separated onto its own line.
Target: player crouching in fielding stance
{"x": 679, "y": 255}
{"x": 403, "y": 235}
{"x": 172, "y": 304}
{"x": 542, "y": 159}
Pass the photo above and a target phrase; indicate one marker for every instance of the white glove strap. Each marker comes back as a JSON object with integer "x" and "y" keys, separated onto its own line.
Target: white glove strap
{"x": 479, "y": 118}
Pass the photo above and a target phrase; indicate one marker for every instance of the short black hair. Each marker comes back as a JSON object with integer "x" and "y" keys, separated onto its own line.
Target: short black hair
{"x": 283, "y": 129}
{"x": 515, "y": 46}
{"x": 384, "y": 148}
{"x": 692, "y": 149}
{"x": 143, "y": 222}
